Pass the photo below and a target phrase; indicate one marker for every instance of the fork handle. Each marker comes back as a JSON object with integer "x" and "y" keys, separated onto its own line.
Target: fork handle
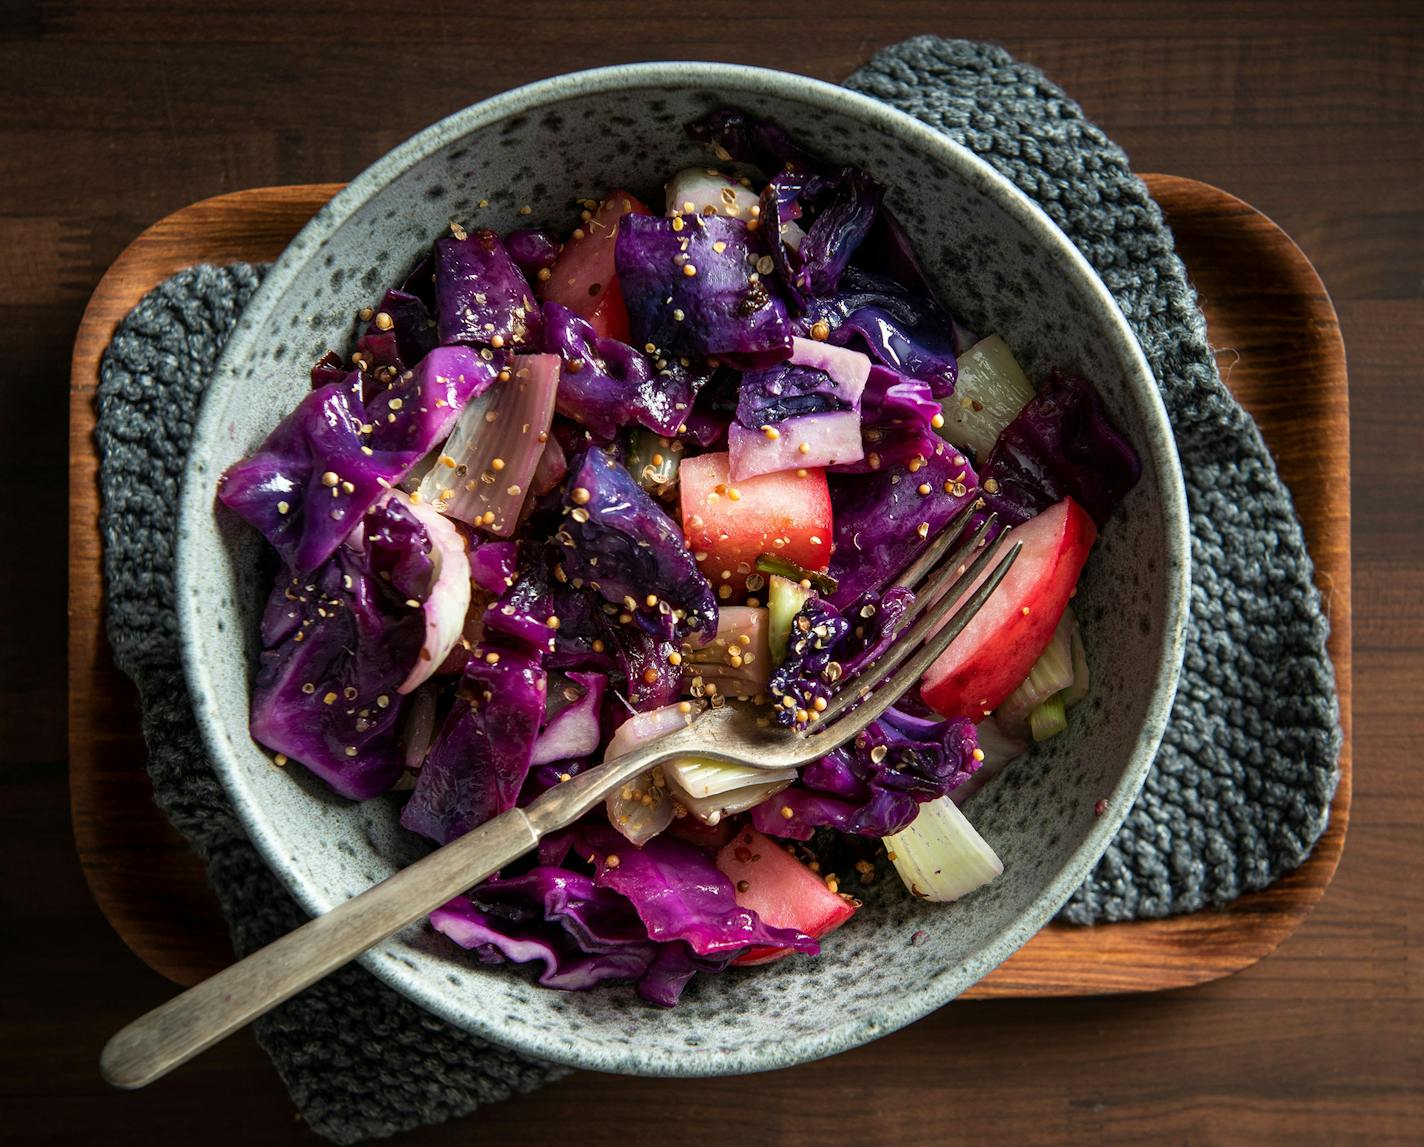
{"x": 173, "y": 1033}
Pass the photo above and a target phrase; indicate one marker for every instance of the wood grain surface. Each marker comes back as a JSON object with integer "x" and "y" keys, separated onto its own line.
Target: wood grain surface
{"x": 119, "y": 113}
{"x": 153, "y": 892}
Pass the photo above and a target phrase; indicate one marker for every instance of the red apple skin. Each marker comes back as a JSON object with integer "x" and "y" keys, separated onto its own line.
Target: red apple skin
{"x": 779, "y": 889}
{"x": 986, "y": 662}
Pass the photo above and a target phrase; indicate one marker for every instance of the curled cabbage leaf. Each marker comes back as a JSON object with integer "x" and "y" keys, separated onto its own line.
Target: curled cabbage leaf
{"x": 482, "y": 754}
{"x": 692, "y": 289}
{"x": 617, "y": 539}
{"x": 1061, "y": 445}
{"x": 337, "y": 644}
{"x": 481, "y": 297}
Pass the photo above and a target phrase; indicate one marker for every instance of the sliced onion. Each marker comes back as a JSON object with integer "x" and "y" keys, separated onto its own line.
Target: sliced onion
{"x": 849, "y": 369}
{"x": 1079, "y": 689}
{"x": 809, "y": 440}
{"x": 711, "y": 810}
{"x": 487, "y": 467}
{"x": 737, "y": 667}
{"x": 448, "y": 602}
{"x": 709, "y": 193}
{"x": 940, "y": 857}
{"x": 573, "y": 729}
{"x": 644, "y": 807}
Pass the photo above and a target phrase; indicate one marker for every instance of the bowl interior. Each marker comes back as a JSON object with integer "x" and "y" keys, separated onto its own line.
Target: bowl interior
{"x": 999, "y": 266}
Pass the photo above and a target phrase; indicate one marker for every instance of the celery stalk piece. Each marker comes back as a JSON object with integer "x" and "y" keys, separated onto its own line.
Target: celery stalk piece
{"x": 1048, "y": 719}
{"x": 784, "y": 599}
{"x": 989, "y": 391}
{"x": 940, "y": 857}
{"x": 1079, "y": 689}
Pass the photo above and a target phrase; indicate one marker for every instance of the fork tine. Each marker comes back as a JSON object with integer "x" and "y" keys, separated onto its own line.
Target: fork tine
{"x": 927, "y": 561}
{"x": 904, "y": 676}
{"x": 949, "y": 574}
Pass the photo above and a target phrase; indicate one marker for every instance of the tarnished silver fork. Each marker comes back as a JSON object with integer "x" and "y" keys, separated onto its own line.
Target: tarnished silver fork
{"x": 188, "y": 1024}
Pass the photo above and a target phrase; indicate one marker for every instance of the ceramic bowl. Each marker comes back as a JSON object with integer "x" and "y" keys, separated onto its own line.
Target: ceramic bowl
{"x": 1000, "y": 266}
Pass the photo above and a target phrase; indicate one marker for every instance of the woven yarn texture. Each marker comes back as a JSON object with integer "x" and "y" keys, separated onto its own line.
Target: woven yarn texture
{"x": 1239, "y": 792}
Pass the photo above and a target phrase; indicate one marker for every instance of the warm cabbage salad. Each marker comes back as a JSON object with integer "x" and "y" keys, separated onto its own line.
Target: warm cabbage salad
{"x": 573, "y": 485}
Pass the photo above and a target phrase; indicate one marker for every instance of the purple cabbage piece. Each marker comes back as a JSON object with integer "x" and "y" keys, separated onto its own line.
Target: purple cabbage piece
{"x": 492, "y": 564}
{"x": 896, "y": 420}
{"x": 846, "y": 207}
{"x": 888, "y": 251}
{"x": 784, "y": 391}
{"x": 329, "y": 369}
{"x": 882, "y": 521}
{"x": 826, "y": 646}
{"x": 1060, "y": 445}
{"x": 336, "y": 645}
{"x": 679, "y": 894}
{"x": 722, "y": 309}
{"x": 408, "y": 339}
{"x": 675, "y": 964}
{"x": 816, "y": 632}
{"x": 477, "y": 765}
{"x": 908, "y": 332}
{"x": 750, "y": 139}
{"x": 532, "y": 249}
{"x": 652, "y": 680}
{"x": 419, "y": 410}
{"x": 481, "y": 297}
{"x": 320, "y": 470}
{"x": 604, "y": 384}
{"x": 583, "y": 935}
{"x": 279, "y": 488}
{"x": 874, "y": 786}
{"x": 615, "y": 537}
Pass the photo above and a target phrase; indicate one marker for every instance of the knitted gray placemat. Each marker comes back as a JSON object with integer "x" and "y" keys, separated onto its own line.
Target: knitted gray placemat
{"x": 1241, "y": 787}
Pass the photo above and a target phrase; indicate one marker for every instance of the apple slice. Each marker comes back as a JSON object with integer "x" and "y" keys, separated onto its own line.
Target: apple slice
{"x": 779, "y": 889}
{"x": 986, "y": 662}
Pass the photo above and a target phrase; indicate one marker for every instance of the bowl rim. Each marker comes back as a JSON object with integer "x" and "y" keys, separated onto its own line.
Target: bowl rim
{"x": 196, "y": 509}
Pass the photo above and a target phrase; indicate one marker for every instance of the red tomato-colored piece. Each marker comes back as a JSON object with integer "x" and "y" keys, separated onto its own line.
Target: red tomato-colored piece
{"x": 583, "y": 277}
{"x": 986, "y": 662}
{"x": 730, "y": 524}
{"x": 779, "y": 889}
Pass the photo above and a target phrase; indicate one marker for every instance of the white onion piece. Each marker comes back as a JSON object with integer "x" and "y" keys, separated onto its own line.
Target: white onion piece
{"x": 711, "y": 810}
{"x": 699, "y": 777}
{"x": 739, "y": 668}
{"x": 808, "y": 440}
{"x": 1079, "y": 689}
{"x": 849, "y": 369}
{"x": 644, "y": 807}
{"x": 989, "y": 391}
{"x": 940, "y": 857}
{"x": 574, "y": 730}
{"x": 449, "y": 599}
{"x": 709, "y": 193}
{"x": 487, "y": 467}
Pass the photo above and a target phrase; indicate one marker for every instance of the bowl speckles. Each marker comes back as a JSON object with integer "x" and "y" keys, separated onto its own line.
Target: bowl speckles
{"x": 1000, "y": 265}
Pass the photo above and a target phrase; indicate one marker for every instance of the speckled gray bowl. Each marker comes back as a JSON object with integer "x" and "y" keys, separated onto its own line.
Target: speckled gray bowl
{"x": 1001, "y": 265}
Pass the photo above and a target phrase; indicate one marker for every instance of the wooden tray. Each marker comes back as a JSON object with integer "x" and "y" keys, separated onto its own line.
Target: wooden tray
{"x": 1280, "y": 352}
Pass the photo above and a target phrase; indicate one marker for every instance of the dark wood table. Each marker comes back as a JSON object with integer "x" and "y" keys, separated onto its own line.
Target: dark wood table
{"x": 116, "y": 114}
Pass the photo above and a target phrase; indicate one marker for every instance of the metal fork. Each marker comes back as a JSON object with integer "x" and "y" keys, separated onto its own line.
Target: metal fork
{"x": 188, "y": 1024}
